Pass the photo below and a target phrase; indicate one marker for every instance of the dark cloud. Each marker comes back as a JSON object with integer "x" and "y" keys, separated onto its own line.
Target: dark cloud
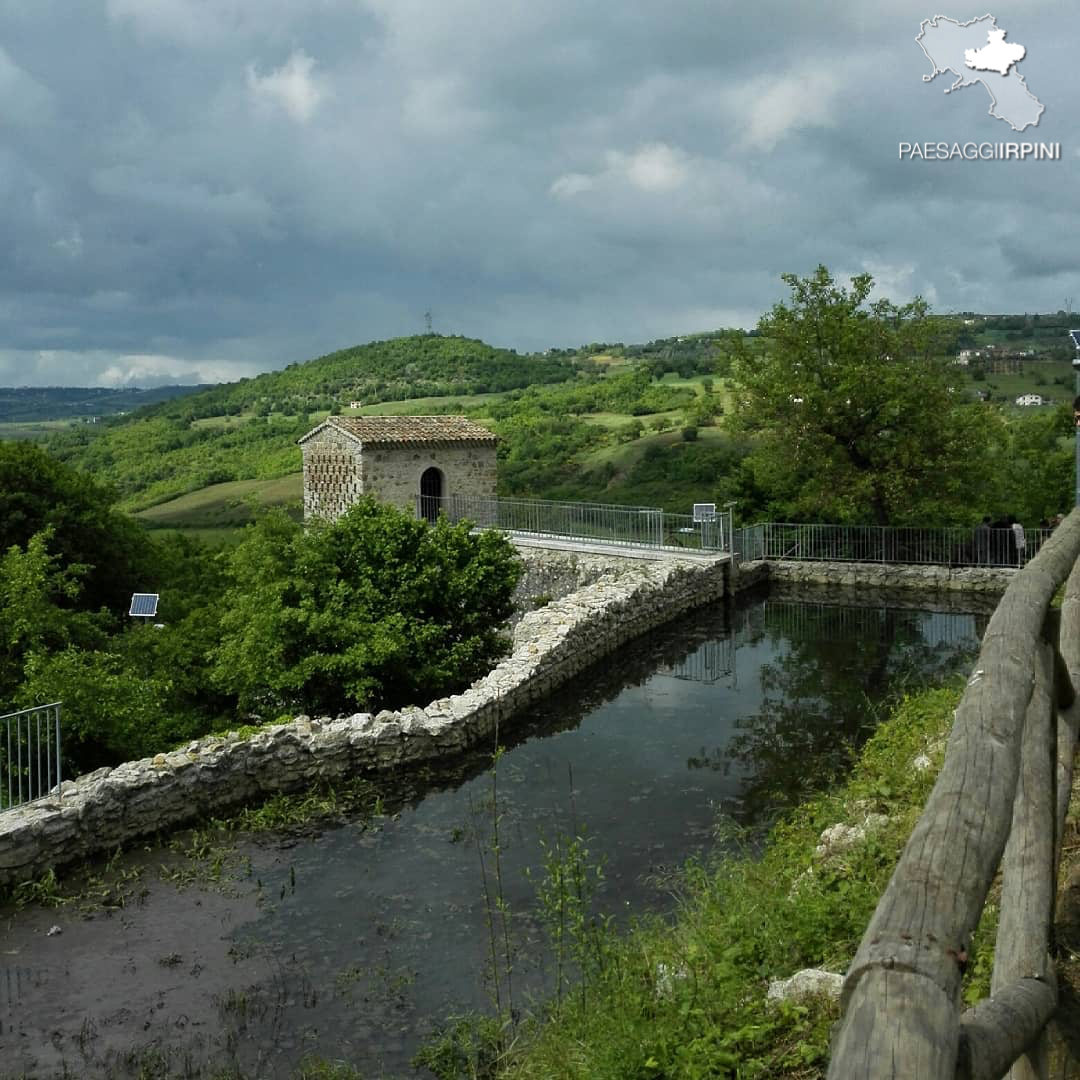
{"x": 208, "y": 188}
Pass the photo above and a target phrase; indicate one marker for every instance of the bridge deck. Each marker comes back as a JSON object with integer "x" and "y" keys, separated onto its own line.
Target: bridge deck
{"x": 622, "y": 551}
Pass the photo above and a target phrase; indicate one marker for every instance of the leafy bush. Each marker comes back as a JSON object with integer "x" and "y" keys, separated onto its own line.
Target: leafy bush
{"x": 109, "y": 713}
{"x": 374, "y": 610}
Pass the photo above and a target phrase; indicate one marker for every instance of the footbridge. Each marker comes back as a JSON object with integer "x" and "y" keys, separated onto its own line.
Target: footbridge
{"x": 999, "y": 803}
{"x": 649, "y": 532}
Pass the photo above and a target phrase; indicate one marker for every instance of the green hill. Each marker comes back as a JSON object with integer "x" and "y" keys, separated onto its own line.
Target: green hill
{"x": 248, "y": 430}
{"x": 603, "y": 422}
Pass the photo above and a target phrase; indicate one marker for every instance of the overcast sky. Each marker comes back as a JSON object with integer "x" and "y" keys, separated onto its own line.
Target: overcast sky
{"x": 197, "y": 190}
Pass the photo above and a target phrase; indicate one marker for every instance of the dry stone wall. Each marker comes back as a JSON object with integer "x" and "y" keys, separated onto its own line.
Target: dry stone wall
{"x": 110, "y": 807}
{"x": 551, "y": 575}
{"x": 597, "y": 603}
{"x": 977, "y": 579}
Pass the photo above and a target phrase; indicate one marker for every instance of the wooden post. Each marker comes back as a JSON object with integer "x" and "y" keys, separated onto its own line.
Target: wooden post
{"x": 901, "y": 994}
{"x": 992, "y": 1033}
{"x": 1068, "y": 718}
{"x": 1027, "y": 888}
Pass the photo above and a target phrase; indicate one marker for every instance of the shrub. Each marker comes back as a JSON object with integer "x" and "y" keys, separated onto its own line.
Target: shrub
{"x": 375, "y": 610}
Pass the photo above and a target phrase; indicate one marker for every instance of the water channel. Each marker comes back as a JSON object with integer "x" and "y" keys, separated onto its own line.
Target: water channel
{"x": 355, "y": 940}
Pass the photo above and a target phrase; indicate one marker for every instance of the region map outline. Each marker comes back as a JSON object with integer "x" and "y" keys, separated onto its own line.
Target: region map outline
{"x": 963, "y": 79}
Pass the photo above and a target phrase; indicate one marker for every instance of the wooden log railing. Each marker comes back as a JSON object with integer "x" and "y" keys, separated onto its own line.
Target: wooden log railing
{"x": 1003, "y": 791}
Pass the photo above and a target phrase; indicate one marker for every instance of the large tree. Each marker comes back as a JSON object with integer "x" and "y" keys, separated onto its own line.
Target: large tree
{"x": 854, "y": 418}
{"x": 37, "y": 492}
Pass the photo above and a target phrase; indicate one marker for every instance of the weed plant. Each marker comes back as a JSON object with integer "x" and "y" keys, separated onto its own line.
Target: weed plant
{"x": 209, "y": 851}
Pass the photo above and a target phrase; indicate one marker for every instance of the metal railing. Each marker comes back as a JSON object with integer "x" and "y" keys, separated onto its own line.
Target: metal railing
{"x": 708, "y": 663}
{"x": 29, "y": 754}
{"x": 639, "y": 526}
{"x": 886, "y": 544}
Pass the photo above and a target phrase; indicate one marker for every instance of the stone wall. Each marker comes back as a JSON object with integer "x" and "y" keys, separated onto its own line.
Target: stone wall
{"x": 110, "y": 807}
{"x": 332, "y": 481}
{"x": 970, "y": 579}
{"x": 392, "y": 473}
{"x": 551, "y": 575}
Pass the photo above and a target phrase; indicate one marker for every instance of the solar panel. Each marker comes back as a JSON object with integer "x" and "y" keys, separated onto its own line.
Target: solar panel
{"x": 144, "y": 604}
{"x": 1075, "y": 335}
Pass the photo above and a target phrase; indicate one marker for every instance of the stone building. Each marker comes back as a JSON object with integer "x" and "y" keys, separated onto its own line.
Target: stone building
{"x": 397, "y": 459}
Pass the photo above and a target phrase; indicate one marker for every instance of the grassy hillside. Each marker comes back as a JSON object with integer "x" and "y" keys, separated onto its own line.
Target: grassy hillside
{"x": 247, "y": 430}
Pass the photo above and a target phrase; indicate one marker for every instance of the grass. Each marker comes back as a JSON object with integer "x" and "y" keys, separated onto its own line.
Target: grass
{"x": 624, "y": 456}
{"x": 227, "y": 505}
{"x": 1026, "y": 383}
{"x": 611, "y": 420}
{"x": 421, "y": 406}
{"x": 34, "y": 429}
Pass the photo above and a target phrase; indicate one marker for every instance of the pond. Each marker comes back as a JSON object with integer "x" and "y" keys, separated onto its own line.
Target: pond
{"x": 354, "y": 940}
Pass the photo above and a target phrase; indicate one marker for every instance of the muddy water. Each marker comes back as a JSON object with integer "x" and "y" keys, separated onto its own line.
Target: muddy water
{"x": 355, "y": 939}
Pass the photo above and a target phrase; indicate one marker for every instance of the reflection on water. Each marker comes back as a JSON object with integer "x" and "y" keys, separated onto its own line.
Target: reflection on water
{"x": 367, "y": 936}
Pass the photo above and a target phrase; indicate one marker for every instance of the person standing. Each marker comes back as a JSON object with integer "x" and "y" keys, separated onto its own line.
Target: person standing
{"x": 982, "y": 541}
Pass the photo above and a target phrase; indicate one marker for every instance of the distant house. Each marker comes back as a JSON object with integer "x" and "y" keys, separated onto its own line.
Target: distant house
{"x": 411, "y": 462}
{"x": 355, "y": 404}
{"x": 1029, "y": 399}
{"x": 965, "y": 355}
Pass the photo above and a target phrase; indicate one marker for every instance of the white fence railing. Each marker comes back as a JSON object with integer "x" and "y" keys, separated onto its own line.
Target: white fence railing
{"x": 887, "y": 544}
{"x": 29, "y": 754}
{"x": 641, "y": 526}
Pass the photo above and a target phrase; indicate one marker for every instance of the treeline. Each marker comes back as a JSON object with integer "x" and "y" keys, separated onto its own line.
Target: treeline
{"x": 29, "y": 403}
{"x": 427, "y": 365}
{"x": 687, "y": 355}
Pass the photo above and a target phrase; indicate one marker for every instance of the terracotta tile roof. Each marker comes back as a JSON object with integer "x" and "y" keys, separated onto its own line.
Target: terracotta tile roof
{"x": 409, "y": 429}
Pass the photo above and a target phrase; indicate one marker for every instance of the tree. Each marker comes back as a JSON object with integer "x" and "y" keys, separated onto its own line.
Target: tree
{"x": 39, "y": 492}
{"x": 374, "y": 610}
{"x": 1035, "y": 471}
{"x": 34, "y": 590}
{"x": 112, "y": 711}
{"x": 853, "y": 414}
